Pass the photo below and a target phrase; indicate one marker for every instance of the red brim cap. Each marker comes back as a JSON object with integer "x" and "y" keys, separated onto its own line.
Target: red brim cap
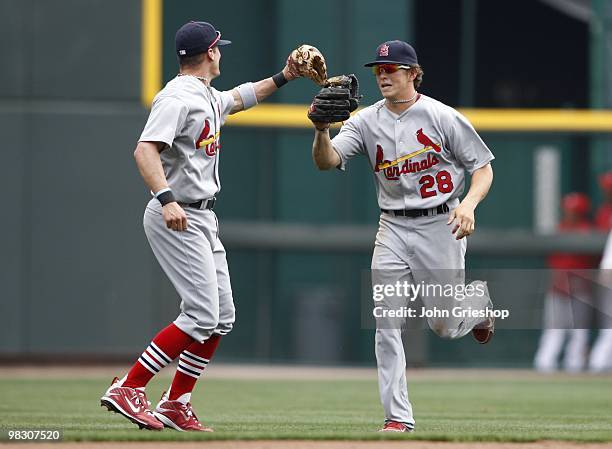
{"x": 218, "y": 41}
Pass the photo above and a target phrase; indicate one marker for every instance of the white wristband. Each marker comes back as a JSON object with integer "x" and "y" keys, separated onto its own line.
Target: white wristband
{"x": 247, "y": 93}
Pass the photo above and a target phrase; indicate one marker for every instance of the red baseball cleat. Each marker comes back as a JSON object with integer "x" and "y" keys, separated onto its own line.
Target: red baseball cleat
{"x": 394, "y": 426}
{"x": 178, "y": 416}
{"x": 131, "y": 403}
{"x": 484, "y": 331}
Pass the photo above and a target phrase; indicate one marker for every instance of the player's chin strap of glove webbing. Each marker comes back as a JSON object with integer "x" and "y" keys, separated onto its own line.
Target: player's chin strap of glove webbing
{"x": 335, "y": 102}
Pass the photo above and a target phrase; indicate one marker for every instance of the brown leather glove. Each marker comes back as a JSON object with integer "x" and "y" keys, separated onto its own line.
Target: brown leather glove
{"x": 308, "y": 62}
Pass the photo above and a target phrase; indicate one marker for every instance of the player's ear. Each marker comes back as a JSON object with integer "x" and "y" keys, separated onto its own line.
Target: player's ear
{"x": 412, "y": 74}
{"x": 212, "y": 55}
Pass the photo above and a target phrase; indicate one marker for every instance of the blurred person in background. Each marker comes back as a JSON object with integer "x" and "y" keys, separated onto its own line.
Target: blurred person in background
{"x": 603, "y": 218}
{"x": 566, "y": 307}
{"x": 601, "y": 355}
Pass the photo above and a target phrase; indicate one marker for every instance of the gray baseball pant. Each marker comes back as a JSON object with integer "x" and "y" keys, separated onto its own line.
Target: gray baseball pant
{"x": 417, "y": 250}
{"x": 194, "y": 261}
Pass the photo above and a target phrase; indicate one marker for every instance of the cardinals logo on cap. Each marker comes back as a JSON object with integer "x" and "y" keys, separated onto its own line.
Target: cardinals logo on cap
{"x": 384, "y": 50}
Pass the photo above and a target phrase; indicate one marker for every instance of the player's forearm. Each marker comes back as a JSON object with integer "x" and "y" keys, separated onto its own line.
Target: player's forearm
{"x": 267, "y": 86}
{"x": 150, "y": 167}
{"x": 263, "y": 89}
{"x": 323, "y": 153}
{"x": 480, "y": 185}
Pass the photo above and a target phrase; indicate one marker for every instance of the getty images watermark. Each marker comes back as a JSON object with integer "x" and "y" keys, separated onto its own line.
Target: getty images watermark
{"x": 518, "y": 299}
{"x": 471, "y": 301}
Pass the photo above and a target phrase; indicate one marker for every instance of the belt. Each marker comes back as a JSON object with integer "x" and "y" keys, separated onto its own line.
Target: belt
{"x": 413, "y": 213}
{"x": 202, "y": 204}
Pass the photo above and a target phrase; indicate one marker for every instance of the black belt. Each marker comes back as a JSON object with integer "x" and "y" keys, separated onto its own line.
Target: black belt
{"x": 202, "y": 204}
{"x": 413, "y": 213}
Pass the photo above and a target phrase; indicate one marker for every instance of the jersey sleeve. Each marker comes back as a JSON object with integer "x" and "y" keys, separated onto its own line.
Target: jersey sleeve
{"x": 467, "y": 146}
{"x": 348, "y": 142}
{"x": 165, "y": 121}
{"x": 226, "y": 103}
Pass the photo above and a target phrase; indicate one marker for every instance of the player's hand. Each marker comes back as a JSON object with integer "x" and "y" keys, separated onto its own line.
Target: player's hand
{"x": 289, "y": 75}
{"x": 175, "y": 217}
{"x": 462, "y": 219}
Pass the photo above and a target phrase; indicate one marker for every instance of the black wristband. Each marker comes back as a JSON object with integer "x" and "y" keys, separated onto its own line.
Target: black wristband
{"x": 166, "y": 197}
{"x": 279, "y": 79}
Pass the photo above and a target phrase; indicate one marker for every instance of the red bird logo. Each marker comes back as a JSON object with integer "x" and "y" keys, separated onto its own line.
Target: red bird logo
{"x": 208, "y": 141}
{"x": 426, "y": 141}
{"x": 379, "y": 158}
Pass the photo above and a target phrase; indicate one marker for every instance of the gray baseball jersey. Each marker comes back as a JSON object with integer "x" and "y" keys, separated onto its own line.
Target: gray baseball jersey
{"x": 187, "y": 116}
{"x": 418, "y": 157}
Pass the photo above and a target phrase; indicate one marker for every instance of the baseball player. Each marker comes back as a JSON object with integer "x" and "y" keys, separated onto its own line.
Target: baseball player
{"x": 178, "y": 158}
{"x": 600, "y": 359}
{"x": 567, "y": 308}
{"x": 418, "y": 149}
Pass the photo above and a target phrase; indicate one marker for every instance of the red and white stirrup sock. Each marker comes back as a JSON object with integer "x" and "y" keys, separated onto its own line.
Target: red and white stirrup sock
{"x": 165, "y": 347}
{"x": 191, "y": 364}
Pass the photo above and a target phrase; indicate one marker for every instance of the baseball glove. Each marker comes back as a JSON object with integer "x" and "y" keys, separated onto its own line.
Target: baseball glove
{"x": 307, "y": 61}
{"x": 336, "y": 101}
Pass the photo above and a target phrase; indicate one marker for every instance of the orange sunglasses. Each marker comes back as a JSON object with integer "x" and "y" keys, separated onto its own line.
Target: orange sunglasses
{"x": 388, "y": 68}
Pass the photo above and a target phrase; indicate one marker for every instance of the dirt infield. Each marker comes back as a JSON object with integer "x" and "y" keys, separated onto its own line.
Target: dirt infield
{"x": 311, "y": 445}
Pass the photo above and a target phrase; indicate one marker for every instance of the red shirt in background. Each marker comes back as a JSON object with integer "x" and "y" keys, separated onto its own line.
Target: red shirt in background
{"x": 603, "y": 218}
{"x": 563, "y": 263}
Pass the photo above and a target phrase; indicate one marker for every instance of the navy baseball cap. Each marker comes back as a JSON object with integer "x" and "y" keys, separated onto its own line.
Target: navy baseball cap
{"x": 197, "y": 37}
{"x": 394, "y": 52}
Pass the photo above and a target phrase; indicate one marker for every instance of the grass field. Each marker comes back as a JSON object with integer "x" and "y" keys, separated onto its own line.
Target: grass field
{"x": 484, "y": 408}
